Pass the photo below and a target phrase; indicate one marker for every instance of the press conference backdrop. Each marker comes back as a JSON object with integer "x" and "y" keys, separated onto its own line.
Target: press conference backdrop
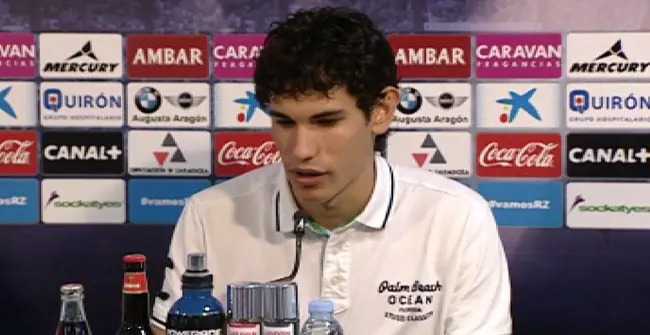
{"x": 106, "y": 128}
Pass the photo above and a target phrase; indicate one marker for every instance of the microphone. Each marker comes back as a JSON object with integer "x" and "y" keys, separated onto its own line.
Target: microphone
{"x": 299, "y": 220}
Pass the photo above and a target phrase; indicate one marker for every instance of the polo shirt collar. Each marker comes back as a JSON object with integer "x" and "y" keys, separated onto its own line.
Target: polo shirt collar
{"x": 375, "y": 215}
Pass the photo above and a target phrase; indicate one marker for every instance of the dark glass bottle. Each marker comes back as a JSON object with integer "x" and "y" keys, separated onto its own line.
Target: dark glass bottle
{"x": 136, "y": 309}
{"x": 72, "y": 320}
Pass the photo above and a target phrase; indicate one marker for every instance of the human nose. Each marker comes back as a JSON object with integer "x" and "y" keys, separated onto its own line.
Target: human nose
{"x": 304, "y": 146}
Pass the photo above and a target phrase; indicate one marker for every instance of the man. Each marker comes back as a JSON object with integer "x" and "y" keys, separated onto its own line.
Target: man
{"x": 399, "y": 250}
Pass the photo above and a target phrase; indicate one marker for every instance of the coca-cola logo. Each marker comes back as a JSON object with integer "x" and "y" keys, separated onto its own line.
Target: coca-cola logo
{"x": 15, "y": 152}
{"x": 263, "y": 154}
{"x": 531, "y": 155}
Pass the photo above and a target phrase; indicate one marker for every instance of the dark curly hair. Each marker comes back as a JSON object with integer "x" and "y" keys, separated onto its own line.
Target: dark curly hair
{"x": 322, "y": 48}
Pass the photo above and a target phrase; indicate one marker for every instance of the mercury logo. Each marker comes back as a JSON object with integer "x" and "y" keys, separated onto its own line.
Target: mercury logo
{"x": 613, "y": 60}
{"x": 83, "y": 60}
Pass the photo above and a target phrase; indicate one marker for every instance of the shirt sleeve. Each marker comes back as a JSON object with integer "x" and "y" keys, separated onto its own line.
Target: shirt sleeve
{"x": 481, "y": 300}
{"x": 188, "y": 237}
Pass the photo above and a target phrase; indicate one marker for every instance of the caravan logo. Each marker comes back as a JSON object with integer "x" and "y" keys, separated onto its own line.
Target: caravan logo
{"x": 607, "y": 55}
{"x": 235, "y": 55}
{"x": 17, "y": 55}
{"x": 519, "y": 56}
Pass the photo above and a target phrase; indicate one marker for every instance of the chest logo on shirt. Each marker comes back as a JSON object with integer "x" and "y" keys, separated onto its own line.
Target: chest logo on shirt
{"x": 409, "y": 302}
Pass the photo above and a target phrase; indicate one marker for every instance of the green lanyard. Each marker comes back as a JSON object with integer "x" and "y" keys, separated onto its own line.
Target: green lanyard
{"x": 318, "y": 228}
{"x": 322, "y": 230}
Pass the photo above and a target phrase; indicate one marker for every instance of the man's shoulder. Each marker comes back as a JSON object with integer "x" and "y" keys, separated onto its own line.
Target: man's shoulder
{"x": 258, "y": 183}
{"x": 427, "y": 188}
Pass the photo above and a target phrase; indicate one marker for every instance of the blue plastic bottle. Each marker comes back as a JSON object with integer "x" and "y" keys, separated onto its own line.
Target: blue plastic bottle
{"x": 197, "y": 310}
{"x": 321, "y": 319}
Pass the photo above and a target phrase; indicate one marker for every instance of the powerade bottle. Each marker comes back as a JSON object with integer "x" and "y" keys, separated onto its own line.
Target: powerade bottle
{"x": 197, "y": 310}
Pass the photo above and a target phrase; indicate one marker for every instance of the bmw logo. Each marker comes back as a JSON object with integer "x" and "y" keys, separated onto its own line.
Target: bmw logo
{"x": 148, "y": 100}
{"x": 410, "y": 100}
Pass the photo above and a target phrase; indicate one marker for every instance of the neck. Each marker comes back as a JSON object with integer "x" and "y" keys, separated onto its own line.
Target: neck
{"x": 347, "y": 204}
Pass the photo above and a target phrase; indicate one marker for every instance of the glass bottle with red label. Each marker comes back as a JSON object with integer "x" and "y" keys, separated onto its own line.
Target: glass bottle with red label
{"x": 136, "y": 309}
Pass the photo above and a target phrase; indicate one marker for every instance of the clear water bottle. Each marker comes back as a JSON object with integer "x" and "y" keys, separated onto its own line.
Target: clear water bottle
{"x": 321, "y": 319}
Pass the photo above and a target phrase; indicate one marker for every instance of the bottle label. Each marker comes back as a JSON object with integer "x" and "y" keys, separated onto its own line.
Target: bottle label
{"x": 278, "y": 330}
{"x": 135, "y": 283}
{"x": 207, "y": 324}
{"x": 193, "y": 332}
{"x": 243, "y": 329}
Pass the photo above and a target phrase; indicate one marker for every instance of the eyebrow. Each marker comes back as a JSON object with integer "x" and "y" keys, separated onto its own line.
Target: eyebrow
{"x": 321, "y": 115}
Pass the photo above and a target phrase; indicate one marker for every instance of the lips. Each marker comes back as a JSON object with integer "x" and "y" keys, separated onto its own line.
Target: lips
{"x": 308, "y": 172}
{"x": 308, "y": 177}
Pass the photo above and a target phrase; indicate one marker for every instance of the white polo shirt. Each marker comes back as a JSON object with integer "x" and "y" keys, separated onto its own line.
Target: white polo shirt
{"x": 424, "y": 257}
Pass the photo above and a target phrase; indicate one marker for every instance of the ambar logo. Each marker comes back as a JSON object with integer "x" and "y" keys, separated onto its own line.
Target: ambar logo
{"x": 432, "y": 56}
{"x": 167, "y": 56}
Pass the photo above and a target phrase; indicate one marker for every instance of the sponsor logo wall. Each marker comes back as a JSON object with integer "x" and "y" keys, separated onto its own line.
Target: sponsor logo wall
{"x": 115, "y": 129}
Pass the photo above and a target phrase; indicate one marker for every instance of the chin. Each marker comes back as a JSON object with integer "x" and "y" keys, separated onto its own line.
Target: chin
{"x": 313, "y": 194}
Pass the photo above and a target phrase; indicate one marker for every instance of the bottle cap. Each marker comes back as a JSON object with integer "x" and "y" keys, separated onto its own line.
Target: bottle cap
{"x": 196, "y": 262}
{"x": 321, "y": 306}
{"x": 244, "y": 300}
{"x": 280, "y": 301}
{"x": 196, "y": 275}
{"x": 134, "y": 258}
{"x": 72, "y": 289}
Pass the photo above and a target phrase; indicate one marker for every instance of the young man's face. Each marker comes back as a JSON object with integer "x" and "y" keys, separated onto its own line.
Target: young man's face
{"x": 325, "y": 142}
